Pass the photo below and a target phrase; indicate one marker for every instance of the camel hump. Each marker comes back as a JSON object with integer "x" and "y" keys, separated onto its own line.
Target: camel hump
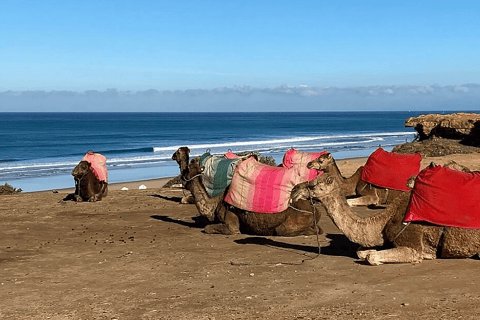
{"x": 391, "y": 170}
{"x": 98, "y": 165}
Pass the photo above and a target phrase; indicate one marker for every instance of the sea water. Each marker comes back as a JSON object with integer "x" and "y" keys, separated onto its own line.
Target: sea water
{"x": 39, "y": 150}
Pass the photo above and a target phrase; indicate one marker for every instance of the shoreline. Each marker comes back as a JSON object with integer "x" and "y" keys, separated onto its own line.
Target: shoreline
{"x": 350, "y": 164}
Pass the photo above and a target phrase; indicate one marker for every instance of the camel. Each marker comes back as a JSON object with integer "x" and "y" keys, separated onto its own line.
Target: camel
{"x": 366, "y": 193}
{"x": 295, "y": 221}
{"x": 87, "y": 186}
{"x": 412, "y": 242}
{"x": 183, "y": 155}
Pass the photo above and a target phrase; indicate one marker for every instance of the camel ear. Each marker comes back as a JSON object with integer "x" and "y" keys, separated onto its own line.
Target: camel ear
{"x": 330, "y": 156}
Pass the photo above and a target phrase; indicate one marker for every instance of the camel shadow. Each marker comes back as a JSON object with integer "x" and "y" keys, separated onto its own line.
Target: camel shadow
{"x": 174, "y": 199}
{"x": 198, "y": 222}
{"x": 69, "y": 197}
{"x": 338, "y": 246}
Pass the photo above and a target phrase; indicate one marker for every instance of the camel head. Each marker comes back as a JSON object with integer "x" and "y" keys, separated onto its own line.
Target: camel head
{"x": 323, "y": 185}
{"x": 322, "y": 162}
{"x": 81, "y": 170}
{"x": 182, "y": 156}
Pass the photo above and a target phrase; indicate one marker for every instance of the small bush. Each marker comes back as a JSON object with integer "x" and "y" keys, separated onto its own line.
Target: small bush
{"x": 8, "y": 189}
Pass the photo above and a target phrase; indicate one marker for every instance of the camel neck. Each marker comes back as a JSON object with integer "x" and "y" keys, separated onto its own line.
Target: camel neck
{"x": 365, "y": 231}
{"x": 348, "y": 185}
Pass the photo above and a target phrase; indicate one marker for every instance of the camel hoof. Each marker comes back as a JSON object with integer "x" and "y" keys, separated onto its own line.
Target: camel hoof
{"x": 187, "y": 200}
{"x": 373, "y": 259}
{"x": 78, "y": 198}
{"x": 363, "y": 253}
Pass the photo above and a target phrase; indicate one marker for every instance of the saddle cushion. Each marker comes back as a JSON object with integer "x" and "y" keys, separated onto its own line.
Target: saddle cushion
{"x": 446, "y": 197}
{"x": 231, "y": 155}
{"x": 218, "y": 173}
{"x": 294, "y": 157}
{"x": 98, "y": 165}
{"x": 262, "y": 188}
{"x": 391, "y": 170}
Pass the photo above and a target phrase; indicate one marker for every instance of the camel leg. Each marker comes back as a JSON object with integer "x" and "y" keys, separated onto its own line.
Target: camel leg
{"x": 102, "y": 193}
{"x": 298, "y": 223}
{"x": 364, "y": 201}
{"x": 362, "y": 253}
{"x": 230, "y": 223}
{"x": 396, "y": 255}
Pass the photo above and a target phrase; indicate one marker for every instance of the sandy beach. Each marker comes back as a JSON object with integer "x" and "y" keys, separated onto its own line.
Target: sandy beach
{"x": 140, "y": 254}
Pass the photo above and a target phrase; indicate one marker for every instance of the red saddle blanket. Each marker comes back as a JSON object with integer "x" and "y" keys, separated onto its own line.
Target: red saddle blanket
{"x": 98, "y": 165}
{"x": 391, "y": 170}
{"x": 446, "y": 197}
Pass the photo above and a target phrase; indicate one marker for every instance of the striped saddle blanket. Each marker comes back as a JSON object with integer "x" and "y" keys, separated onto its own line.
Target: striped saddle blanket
{"x": 218, "y": 172}
{"x": 262, "y": 188}
{"x": 298, "y": 158}
{"x": 446, "y": 197}
{"x": 98, "y": 165}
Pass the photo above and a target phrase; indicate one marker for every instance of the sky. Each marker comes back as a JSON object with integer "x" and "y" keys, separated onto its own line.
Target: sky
{"x": 255, "y": 55}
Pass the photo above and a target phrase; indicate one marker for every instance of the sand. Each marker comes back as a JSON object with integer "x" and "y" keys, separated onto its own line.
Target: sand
{"x": 140, "y": 254}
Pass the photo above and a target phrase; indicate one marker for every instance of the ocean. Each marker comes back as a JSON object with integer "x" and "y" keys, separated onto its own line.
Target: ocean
{"x": 39, "y": 150}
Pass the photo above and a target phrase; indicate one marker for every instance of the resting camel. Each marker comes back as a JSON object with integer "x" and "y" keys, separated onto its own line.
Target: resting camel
{"x": 289, "y": 223}
{"x": 412, "y": 242}
{"x": 87, "y": 186}
{"x": 367, "y": 194}
{"x": 182, "y": 156}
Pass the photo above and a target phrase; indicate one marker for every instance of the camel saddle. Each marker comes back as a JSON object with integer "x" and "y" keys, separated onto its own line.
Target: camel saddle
{"x": 98, "y": 165}
{"x": 298, "y": 158}
{"x": 391, "y": 170}
{"x": 261, "y": 188}
{"x": 218, "y": 172}
{"x": 446, "y": 197}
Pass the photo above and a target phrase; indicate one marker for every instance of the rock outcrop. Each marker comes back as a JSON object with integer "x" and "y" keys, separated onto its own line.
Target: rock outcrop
{"x": 457, "y": 126}
{"x": 443, "y": 134}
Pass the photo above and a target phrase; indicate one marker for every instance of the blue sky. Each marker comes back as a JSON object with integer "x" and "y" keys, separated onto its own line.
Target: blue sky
{"x": 180, "y": 45}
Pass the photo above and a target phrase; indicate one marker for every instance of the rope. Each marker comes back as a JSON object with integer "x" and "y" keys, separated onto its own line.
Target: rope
{"x": 77, "y": 184}
{"x": 403, "y": 229}
{"x": 187, "y": 180}
{"x": 386, "y": 196}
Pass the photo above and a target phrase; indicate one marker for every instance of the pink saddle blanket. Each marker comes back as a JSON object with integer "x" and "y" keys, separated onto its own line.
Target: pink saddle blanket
{"x": 298, "y": 158}
{"x": 391, "y": 170}
{"x": 98, "y": 165}
{"x": 262, "y": 188}
{"x": 446, "y": 197}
